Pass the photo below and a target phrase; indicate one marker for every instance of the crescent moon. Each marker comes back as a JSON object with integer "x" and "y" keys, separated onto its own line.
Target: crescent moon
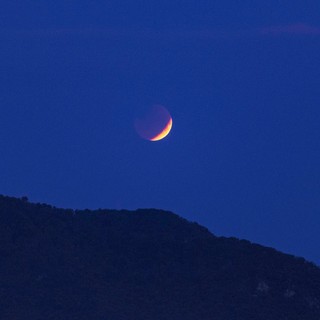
{"x": 155, "y": 124}
{"x": 164, "y": 132}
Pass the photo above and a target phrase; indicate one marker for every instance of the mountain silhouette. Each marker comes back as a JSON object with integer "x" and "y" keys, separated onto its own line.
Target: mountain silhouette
{"x": 144, "y": 264}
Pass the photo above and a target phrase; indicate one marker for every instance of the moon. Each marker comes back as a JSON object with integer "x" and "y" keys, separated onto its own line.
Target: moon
{"x": 155, "y": 124}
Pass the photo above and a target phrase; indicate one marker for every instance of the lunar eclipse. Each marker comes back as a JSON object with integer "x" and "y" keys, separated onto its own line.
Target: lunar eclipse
{"x": 155, "y": 124}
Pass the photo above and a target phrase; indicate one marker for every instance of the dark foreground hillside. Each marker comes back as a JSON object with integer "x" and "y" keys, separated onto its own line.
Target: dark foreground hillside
{"x": 146, "y": 264}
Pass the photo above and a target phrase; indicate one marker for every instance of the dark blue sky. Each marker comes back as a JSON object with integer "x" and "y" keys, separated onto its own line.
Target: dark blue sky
{"x": 240, "y": 79}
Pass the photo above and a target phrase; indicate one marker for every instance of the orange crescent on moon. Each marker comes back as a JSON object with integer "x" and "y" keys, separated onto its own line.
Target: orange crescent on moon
{"x": 164, "y": 132}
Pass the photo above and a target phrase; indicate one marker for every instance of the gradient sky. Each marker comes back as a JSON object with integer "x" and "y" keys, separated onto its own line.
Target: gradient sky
{"x": 240, "y": 79}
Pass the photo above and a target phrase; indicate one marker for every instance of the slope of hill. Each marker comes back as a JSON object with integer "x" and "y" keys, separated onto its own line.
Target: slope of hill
{"x": 146, "y": 264}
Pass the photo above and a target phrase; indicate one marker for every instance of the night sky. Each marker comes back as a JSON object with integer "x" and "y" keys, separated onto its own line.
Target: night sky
{"x": 239, "y": 78}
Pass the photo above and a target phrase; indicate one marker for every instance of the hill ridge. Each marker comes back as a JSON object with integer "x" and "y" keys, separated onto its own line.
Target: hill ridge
{"x": 143, "y": 264}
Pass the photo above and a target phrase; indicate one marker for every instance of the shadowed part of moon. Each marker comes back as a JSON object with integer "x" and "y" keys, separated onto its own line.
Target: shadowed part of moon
{"x": 155, "y": 124}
